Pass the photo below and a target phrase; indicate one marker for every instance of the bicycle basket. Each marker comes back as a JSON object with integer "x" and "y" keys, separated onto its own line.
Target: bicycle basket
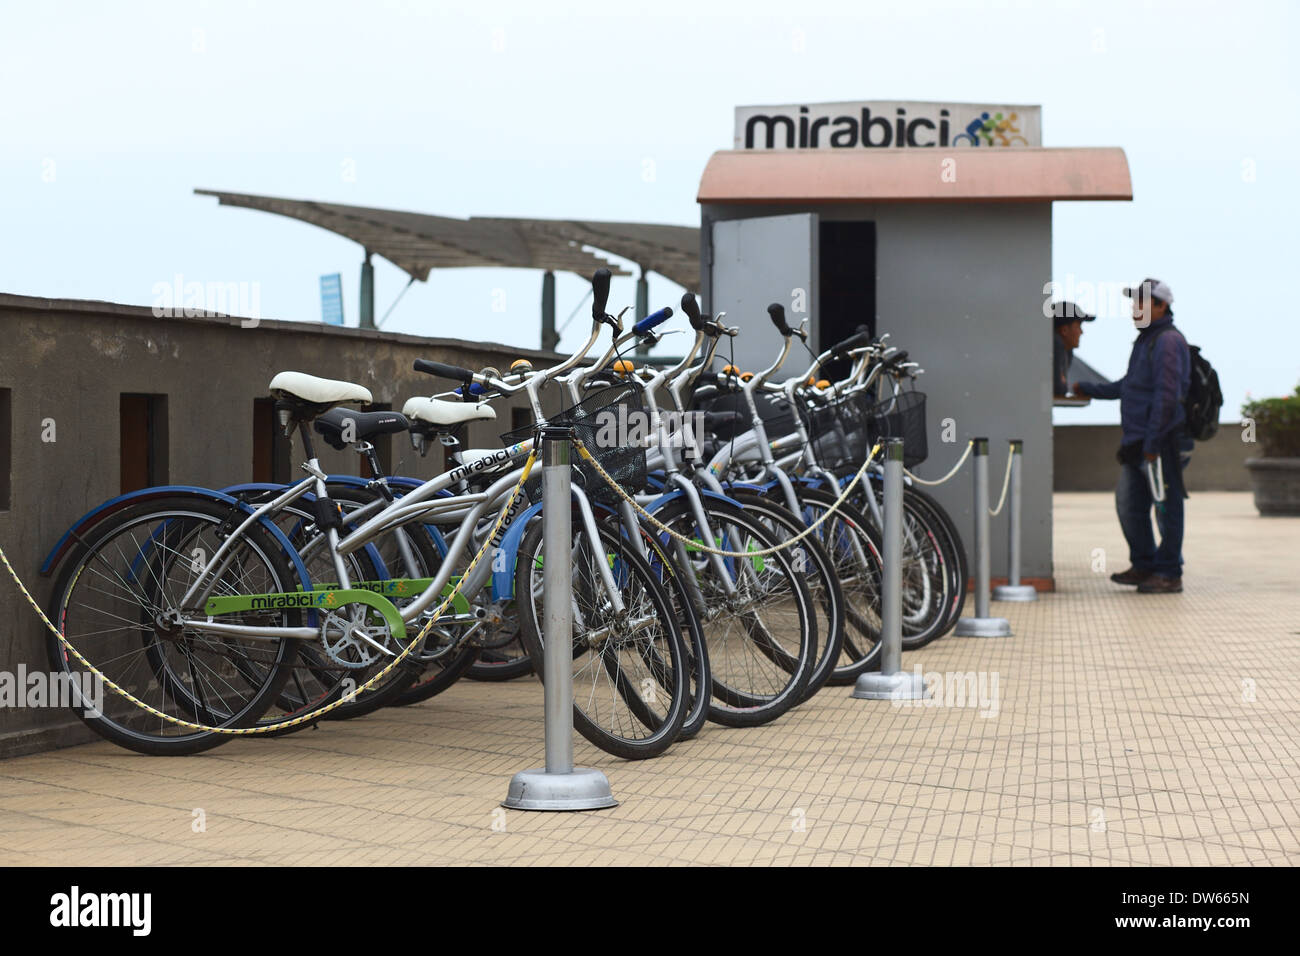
{"x": 902, "y": 416}
{"x": 840, "y": 432}
{"x": 603, "y": 422}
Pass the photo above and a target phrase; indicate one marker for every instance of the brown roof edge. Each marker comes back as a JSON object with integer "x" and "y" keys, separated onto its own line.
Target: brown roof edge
{"x": 965, "y": 174}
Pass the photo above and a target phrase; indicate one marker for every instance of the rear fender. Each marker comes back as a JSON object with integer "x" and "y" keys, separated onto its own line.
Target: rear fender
{"x": 83, "y": 525}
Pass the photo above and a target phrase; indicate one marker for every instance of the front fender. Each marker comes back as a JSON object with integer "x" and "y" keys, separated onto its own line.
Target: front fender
{"x": 503, "y": 562}
{"x": 663, "y": 500}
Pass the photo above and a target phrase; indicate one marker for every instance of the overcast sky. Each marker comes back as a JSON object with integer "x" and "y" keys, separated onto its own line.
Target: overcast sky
{"x": 110, "y": 115}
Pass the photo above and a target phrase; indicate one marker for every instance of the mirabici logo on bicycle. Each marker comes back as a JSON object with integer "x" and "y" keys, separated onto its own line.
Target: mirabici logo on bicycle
{"x": 275, "y": 602}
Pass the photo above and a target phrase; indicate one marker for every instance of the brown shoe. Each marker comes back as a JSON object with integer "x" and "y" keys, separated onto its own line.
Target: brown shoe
{"x": 1131, "y": 576}
{"x": 1161, "y": 584}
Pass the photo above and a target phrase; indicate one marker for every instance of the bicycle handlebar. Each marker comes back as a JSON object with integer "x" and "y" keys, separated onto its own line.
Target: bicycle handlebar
{"x": 692, "y": 309}
{"x": 777, "y": 312}
{"x": 600, "y": 294}
{"x": 861, "y": 337}
{"x": 652, "y": 320}
{"x": 442, "y": 370}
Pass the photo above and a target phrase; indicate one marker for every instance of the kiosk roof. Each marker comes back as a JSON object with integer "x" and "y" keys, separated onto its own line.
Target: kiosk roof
{"x": 1019, "y": 174}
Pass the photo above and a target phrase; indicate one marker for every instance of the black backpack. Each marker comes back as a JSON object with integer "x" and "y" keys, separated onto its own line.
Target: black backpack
{"x": 1204, "y": 398}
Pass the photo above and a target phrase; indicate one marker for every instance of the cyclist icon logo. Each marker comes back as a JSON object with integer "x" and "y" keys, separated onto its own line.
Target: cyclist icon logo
{"x": 989, "y": 126}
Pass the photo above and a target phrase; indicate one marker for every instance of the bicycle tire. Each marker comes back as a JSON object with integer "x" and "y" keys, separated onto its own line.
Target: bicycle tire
{"x": 596, "y": 712}
{"x": 854, "y": 545}
{"x": 118, "y": 546}
{"x": 697, "y": 713}
{"x": 737, "y": 702}
{"x": 819, "y": 574}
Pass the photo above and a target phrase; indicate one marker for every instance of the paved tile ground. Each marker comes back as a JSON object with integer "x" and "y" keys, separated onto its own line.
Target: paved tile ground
{"x": 1125, "y": 729}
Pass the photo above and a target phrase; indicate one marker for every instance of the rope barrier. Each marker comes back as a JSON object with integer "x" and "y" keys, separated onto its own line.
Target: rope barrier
{"x": 955, "y": 468}
{"x": 700, "y": 545}
{"x": 314, "y": 715}
{"x": 1006, "y": 483}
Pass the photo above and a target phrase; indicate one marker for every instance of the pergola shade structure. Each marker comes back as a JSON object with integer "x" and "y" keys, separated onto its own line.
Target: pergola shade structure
{"x": 417, "y": 243}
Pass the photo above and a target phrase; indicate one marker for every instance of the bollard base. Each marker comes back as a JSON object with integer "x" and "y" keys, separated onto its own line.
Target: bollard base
{"x": 983, "y": 627}
{"x": 905, "y": 685}
{"x": 580, "y": 789}
{"x": 1015, "y": 592}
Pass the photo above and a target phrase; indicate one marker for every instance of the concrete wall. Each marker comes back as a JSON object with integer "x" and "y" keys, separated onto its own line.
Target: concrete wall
{"x": 1085, "y": 459}
{"x": 69, "y": 361}
{"x": 961, "y": 288}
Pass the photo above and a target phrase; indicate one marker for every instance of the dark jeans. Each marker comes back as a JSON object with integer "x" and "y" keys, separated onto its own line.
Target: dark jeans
{"x": 1133, "y": 502}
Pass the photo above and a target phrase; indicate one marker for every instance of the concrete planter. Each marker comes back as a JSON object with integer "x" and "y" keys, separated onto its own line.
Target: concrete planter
{"x": 1276, "y": 482}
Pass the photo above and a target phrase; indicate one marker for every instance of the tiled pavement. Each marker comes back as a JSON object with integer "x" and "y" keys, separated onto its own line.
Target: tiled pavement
{"x": 1126, "y": 730}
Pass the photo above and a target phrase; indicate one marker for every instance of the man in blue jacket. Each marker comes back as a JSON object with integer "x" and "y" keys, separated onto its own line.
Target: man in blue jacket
{"x": 1151, "y": 397}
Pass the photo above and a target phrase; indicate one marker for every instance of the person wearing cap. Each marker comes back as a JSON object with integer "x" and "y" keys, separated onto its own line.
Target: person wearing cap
{"x": 1067, "y": 326}
{"x": 1151, "y": 415}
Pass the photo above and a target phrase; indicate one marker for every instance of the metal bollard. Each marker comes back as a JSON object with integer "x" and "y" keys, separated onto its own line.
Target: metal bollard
{"x": 560, "y": 786}
{"x": 1013, "y": 590}
{"x": 891, "y": 682}
{"x": 981, "y": 625}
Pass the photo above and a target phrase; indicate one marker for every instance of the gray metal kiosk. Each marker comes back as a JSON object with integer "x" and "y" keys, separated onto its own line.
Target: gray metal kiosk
{"x": 946, "y": 247}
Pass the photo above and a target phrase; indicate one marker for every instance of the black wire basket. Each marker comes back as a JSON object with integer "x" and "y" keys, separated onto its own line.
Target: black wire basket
{"x": 603, "y": 421}
{"x": 902, "y": 415}
{"x": 840, "y": 431}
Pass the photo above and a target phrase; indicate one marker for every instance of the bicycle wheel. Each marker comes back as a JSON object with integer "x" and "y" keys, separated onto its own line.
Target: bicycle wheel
{"x": 111, "y": 602}
{"x": 674, "y": 583}
{"x": 854, "y": 547}
{"x": 759, "y": 622}
{"x": 927, "y": 572}
{"x": 504, "y": 659}
{"x": 629, "y": 669}
{"x": 819, "y": 574}
{"x": 954, "y": 551}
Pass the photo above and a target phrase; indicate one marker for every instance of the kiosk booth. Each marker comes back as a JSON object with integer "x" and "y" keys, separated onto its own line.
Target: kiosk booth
{"x": 936, "y": 228}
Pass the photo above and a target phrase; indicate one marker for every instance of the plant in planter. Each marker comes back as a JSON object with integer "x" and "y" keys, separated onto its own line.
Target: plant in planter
{"x": 1275, "y": 474}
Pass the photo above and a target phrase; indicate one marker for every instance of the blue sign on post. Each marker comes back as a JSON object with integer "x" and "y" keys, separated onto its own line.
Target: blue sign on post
{"x": 331, "y": 299}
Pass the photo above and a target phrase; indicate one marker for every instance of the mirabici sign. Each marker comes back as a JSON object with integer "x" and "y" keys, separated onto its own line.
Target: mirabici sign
{"x": 887, "y": 124}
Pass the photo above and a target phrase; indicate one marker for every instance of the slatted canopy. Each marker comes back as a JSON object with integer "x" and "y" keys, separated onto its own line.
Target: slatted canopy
{"x": 417, "y": 242}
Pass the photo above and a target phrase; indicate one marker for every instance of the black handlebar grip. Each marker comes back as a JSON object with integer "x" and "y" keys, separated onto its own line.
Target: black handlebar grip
{"x": 692, "y": 309}
{"x": 860, "y": 337}
{"x": 777, "y": 312}
{"x": 897, "y": 359}
{"x": 442, "y": 370}
{"x": 600, "y": 293}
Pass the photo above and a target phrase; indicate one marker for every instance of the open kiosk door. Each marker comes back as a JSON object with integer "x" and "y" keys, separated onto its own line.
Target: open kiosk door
{"x": 753, "y": 263}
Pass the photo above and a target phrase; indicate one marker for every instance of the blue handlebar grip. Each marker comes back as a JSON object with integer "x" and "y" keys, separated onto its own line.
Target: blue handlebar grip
{"x": 650, "y": 321}
{"x": 474, "y": 389}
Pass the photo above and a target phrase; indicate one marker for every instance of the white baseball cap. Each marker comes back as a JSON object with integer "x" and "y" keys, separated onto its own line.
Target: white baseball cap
{"x": 1153, "y": 288}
